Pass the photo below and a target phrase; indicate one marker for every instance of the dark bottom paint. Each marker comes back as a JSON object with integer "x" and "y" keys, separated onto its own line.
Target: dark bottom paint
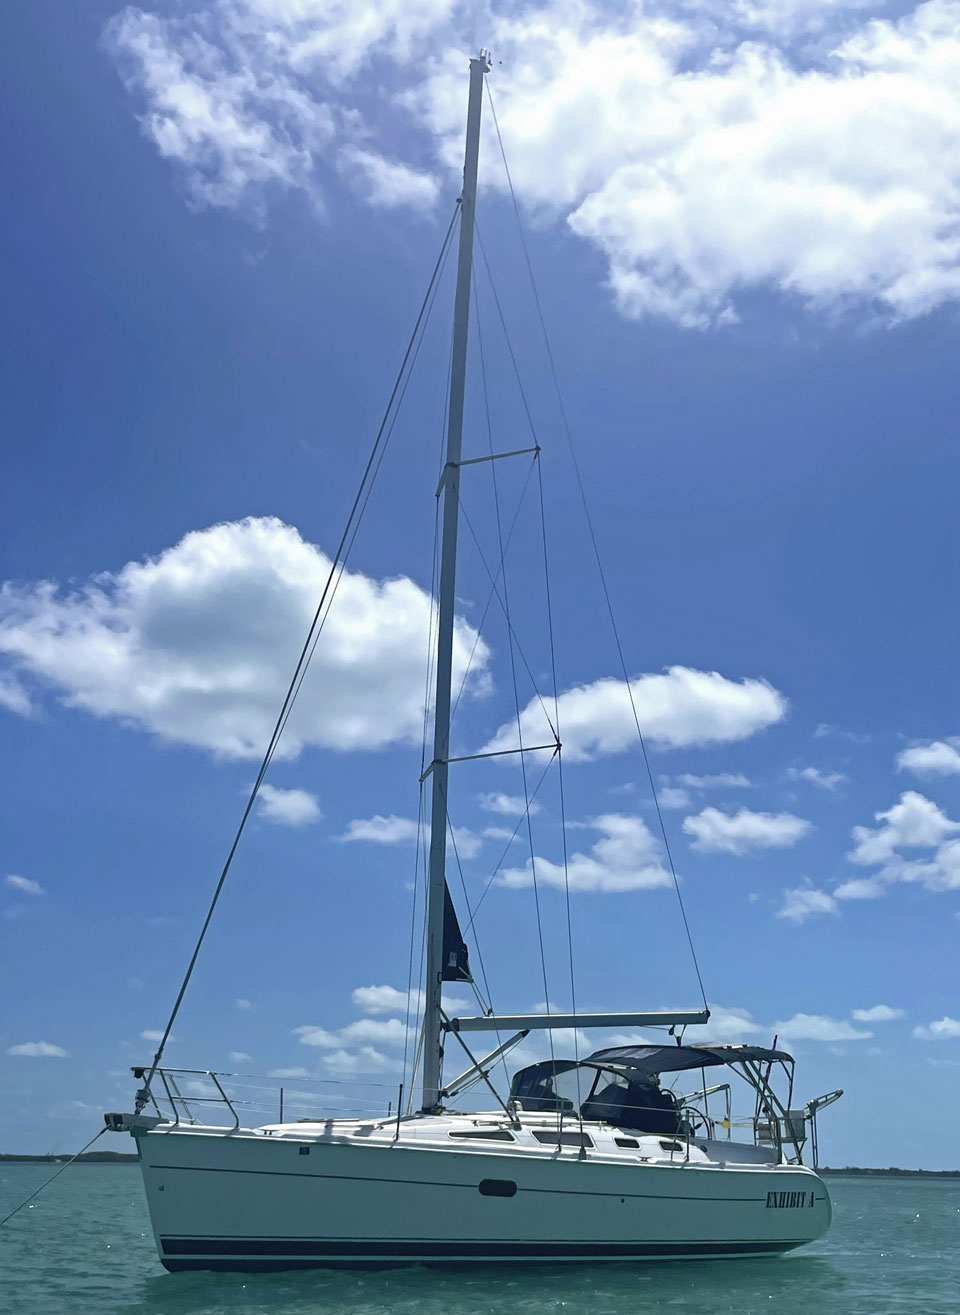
{"x": 265, "y": 1254}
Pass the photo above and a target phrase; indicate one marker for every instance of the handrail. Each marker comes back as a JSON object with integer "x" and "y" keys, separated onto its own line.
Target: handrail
{"x": 180, "y": 1102}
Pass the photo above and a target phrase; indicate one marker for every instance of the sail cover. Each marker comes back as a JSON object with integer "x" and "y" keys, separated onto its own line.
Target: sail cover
{"x": 456, "y": 963}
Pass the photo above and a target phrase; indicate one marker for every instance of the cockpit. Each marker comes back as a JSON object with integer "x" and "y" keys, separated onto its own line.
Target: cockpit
{"x": 598, "y": 1093}
{"x": 621, "y": 1086}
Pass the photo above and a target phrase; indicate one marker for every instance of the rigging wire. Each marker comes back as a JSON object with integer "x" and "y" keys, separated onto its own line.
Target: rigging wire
{"x": 513, "y": 676}
{"x": 563, "y": 810}
{"x": 46, "y": 1183}
{"x": 343, "y": 548}
{"x": 596, "y": 550}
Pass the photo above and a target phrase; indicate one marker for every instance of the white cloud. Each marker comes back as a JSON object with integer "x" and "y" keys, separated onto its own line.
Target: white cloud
{"x": 744, "y": 831}
{"x": 716, "y": 780}
{"x": 288, "y": 807}
{"x": 825, "y": 780}
{"x": 877, "y": 1014}
{"x": 507, "y": 805}
{"x": 155, "y": 1034}
{"x": 699, "y": 149}
{"x": 38, "y": 1050}
{"x": 914, "y": 822}
{"x": 938, "y": 758}
{"x": 389, "y": 1000}
{"x": 379, "y": 1031}
{"x": 388, "y": 183}
{"x": 249, "y": 96}
{"x": 818, "y": 1027}
{"x": 394, "y": 830}
{"x": 14, "y": 697}
{"x": 243, "y": 1004}
{"x": 670, "y": 796}
{"x": 702, "y": 165}
{"x": 805, "y": 902}
{"x": 382, "y": 830}
{"x": 197, "y": 645}
{"x": 468, "y": 843}
{"x": 677, "y": 708}
{"x": 288, "y": 1073}
{"x": 351, "y": 1063}
{"x": 861, "y": 888}
{"x": 24, "y": 885}
{"x": 382, "y": 999}
{"x": 726, "y": 1025}
{"x": 626, "y": 857}
{"x": 316, "y": 1036}
{"x": 238, "y": 1057}
{"x": 946, "y": 1029}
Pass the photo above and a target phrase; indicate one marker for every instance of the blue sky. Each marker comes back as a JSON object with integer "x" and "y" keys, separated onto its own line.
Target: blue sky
{"x": 219, "y": 226}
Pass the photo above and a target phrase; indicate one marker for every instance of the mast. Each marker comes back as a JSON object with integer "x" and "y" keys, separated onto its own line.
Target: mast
{"x": 432, "y": 1031}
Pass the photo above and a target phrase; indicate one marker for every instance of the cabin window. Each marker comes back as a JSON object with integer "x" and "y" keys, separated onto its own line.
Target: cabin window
{"x": 673, "y": 1146}
{"x": 483, "y": 1134}
{"x": 579, "y": 1139}
{"x": 630, "y": 1143}
{"x": 497, "y": 1187}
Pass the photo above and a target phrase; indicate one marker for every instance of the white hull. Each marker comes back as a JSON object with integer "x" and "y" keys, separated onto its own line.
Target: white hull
{"x": 247, "y": 1200}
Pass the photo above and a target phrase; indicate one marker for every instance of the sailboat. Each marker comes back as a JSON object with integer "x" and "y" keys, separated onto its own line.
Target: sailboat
{"x": 582, "y": 1160}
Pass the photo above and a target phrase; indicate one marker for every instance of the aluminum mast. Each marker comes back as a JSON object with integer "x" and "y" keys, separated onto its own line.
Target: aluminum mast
{"x": 448, "y": 569}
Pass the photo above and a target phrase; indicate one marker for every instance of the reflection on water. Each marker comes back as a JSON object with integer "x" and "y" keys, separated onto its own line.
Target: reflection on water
{"x": 790, "y": 1284}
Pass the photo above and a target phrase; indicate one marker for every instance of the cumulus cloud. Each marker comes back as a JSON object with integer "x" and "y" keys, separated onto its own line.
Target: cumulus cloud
{"x": 726, "y": 1025}
{"x": 24, "y": 885}
{"x": 818, "y": 1027}
{"x": 155, "y": 1034}
{"x": 677, "y": 708}
{"x": 197, "y": 644}
{"x": 38, "y": 1050}
{"x": 380, "y": 830}
{"x": 238, "y": 1057}
{"x": 913, "y": 823}
{"x": 945, "y": 1029}
{"x": 705, "y": 150}
{"x": 671, "y": 796}
{"x": 744, "y": 831}
{"x": 895, "y": 849}
{"x": 389, "y": 999}
{"x": 825, "y": 780}
{"x": 938, "y": 758}
{"x": 288, "y": 807}
{"x": 877, "y": 1014}
{"x": 803, "y": 902}
{"x": 507, "y": 805}
{"x": 394, "y": 830}
{"x": 366, "y": 1059}
{"x": 715, "y": 781}
{"x": 626, "y": 857}
{"x": 704, "y": 161}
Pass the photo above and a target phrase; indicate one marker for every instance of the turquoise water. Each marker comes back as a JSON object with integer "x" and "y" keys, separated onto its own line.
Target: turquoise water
{"x": 85, "y": 1248}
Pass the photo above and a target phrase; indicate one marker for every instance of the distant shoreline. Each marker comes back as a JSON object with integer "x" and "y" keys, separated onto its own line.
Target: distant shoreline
{"x": 90, "y": 1157}
{"x": 117, "y": 1157}
{"x": 850, "y": 1171}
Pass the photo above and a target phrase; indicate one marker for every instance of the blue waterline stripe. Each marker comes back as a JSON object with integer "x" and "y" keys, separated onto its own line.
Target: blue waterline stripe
{"x": 326, "y": 1248}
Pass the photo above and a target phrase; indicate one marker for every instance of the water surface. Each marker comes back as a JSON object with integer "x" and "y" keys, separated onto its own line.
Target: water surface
{"x": 85, "y": 1248}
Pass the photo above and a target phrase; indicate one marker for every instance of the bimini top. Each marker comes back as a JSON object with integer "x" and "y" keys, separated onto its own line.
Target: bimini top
{"x": 650, "y": 1060}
